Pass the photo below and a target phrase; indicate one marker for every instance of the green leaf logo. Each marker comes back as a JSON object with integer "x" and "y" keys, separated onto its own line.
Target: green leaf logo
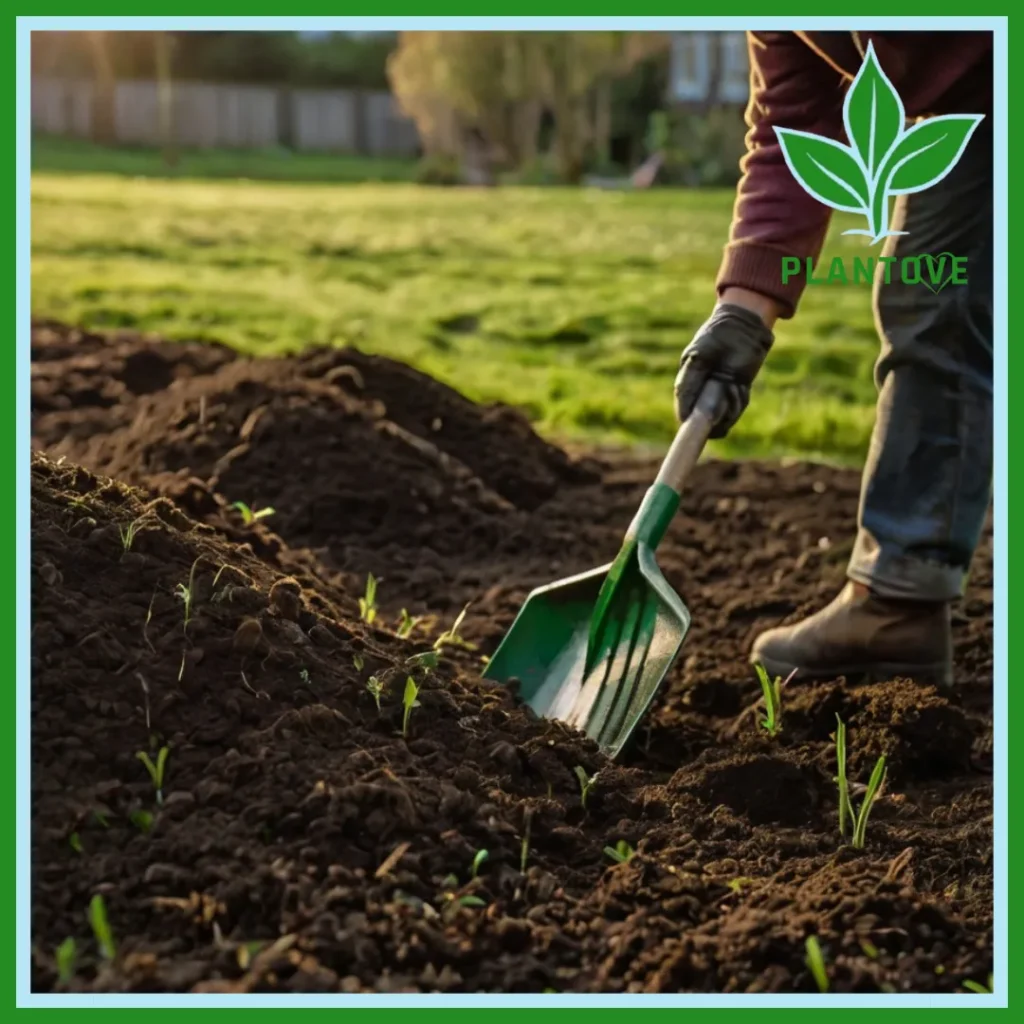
{"x": 884, "y": 157}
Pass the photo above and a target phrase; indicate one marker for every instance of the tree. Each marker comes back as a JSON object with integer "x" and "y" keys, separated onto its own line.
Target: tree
{"x": 105, "y": 87}
{"x": 499, "y": 83}
{"x": 164, "y": 46}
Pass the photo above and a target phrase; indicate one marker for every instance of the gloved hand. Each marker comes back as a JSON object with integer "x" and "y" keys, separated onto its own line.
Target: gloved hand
{"x": 730, "y": 347}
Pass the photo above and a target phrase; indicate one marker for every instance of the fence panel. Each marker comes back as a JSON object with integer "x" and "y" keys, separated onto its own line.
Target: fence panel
{"x": 218, "y": 116}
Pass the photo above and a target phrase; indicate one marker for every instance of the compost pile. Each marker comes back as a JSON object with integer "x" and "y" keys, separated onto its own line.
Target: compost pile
{"x": 302, "y": 839}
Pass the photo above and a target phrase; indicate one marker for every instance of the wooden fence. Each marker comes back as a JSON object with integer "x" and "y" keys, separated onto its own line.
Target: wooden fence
{"x": 209, "y": 116}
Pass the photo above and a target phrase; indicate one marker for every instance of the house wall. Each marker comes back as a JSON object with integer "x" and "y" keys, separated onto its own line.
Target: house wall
{"x": 709, "y": 68}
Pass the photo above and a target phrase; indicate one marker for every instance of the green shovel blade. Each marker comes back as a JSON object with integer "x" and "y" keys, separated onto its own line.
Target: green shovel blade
{"x": 629, "y": 620}
{"x": 592, "y": 650}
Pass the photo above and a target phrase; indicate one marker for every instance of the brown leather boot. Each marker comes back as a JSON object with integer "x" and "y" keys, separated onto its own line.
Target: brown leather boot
{"x": 863, "y": 635}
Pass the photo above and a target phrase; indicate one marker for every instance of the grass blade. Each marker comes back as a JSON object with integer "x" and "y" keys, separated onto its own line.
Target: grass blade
{"x": 874, "y": 791}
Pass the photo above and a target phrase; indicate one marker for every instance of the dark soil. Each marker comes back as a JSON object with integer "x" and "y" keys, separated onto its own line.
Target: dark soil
{"x": 304, "y": 844}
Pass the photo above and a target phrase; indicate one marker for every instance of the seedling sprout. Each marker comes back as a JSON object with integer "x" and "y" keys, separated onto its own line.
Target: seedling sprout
{"x": 75, "y": 842}
{"x": 142, "y": 820}
{"x": 845, "y": 810}
{"x": 187, "y": 593}
{"x": 368, "y": 603}
{"x": 874, "y": 791}
{"x": 128, "y": 533}
{"x": 425, "y": 659}
{"x": 145, "y": 625}
{"x": 815, "y": 962}
{"x": 524, "y": 848}
{"x": 978, "y": 988}
{"x": 101, "y": 927}
{"x": 145, "y": 698}
{"x": 772, "y": 720}
{"x": 586, "y": 784}
{"x": 478, "y": 860}
{"x": 65, "y": 957}
{"x": 376, "y": 688}
{"x": 451, "y": 637}
{"x": 357, "y": 662}
{"x": 871, "y": 794}
{"x": 621, "y": 852}
{"x": 406, "y": 624}
{"x": 248, "y": 515}
{"x": 156, "y": 771}
{"x": 737, "y": 884}
{"x": 409, "y": 702}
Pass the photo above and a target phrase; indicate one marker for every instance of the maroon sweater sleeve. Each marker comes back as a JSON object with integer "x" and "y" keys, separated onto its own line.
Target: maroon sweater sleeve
{"x": 792, "y": 87}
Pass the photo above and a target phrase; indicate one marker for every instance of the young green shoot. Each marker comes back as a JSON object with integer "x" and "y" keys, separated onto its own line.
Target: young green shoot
{"x": 737, "y": 885}
{"x": 145, "y": 699}
{"x": 145, "y": 625}
{"x": 248, "y": 515}
{"x": 406, "y": 624}
{"x": 376, "y": 689}
{"x": 478, "y": 860}
{"x": 859, "y": 820}
{"x": 187, "y": 594}
{"x": 101, "y": 927}
{"x": 845, "y": 810}
{"x": 142, "y": 820}
{"x": 524, "y": 847}
{"x": 304, "y": 677}
{"x": 451, "y": 637}
{"x": 368, "y": 603}
{"x": 977, "y": 988}
{"x": 815, "y": 962}
{"x": 772, "y": 691}
{"x": 128, "y": 533}
{"x": 586, "y": 784}
{"x": 425, "y": 659}
{"x": 65, "y": 958}
{"x": 621, "y": 852}
{"x": 75, "y": 842}
{"x": 869, "y": 949}
{"x": 156, "y": 771}
{"x": 409, "y": 702}
{"x": 871, "y": 795}
{"x": 358, "y": 662}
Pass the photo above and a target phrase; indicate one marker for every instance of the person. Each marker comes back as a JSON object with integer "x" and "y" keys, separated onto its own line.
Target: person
{"x": 927, "y": 480}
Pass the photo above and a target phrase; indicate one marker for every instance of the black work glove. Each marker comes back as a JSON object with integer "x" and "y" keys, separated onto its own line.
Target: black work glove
{"x": 730, "y": 348}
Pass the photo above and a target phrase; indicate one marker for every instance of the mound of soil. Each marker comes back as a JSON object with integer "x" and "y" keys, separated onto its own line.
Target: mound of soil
{"x": 301, "y": 842}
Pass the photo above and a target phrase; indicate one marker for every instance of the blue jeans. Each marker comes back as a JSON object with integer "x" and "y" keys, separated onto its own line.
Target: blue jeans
{"x": 927, "y": 482}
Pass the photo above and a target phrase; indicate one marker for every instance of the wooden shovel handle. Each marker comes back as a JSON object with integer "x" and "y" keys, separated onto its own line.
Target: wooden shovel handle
{"x": 690, "y": 438}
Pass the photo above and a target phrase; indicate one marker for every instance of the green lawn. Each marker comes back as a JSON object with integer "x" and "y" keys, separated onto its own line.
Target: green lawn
{"x": 573, "y": 304}
{"x": 71, "y": 156}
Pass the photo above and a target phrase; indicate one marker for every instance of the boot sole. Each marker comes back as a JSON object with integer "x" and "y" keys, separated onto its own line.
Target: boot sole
{"x": 928, "y": 675}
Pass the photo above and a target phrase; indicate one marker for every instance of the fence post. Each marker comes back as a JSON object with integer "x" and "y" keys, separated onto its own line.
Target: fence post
{"x": 286, "y": 117}
{"x": 361, "y": 132}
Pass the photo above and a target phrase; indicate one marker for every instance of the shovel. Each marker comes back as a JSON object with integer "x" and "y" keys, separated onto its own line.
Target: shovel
{"x": 592, "y": 650}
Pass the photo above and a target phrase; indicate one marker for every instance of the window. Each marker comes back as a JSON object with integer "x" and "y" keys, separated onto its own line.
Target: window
{"x": 734, "y": 80}
{"x": 690, "y": 65}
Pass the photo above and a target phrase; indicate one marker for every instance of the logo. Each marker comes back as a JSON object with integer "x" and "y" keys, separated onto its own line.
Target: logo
{"x": 884, "y": 158}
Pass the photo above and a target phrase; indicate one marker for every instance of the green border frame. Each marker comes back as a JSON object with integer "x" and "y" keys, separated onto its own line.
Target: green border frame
{"x": 524, "y": 8}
